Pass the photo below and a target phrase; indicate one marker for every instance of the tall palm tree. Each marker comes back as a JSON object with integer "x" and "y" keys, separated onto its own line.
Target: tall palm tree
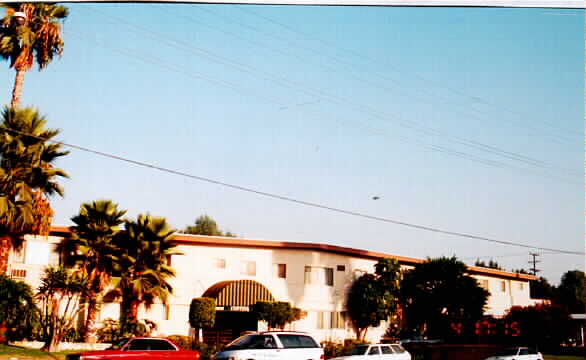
{"x": 27, "y": 177}
{"x": 143, "y": 265}
{"x": 92, "y": 248}
{"x": 37, "y": 40}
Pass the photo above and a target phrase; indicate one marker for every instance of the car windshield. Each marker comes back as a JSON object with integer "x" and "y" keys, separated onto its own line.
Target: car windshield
{"x": 508, "y": 352}
{"x": 359, "y": 350}
{"x": 118, "y": 344}
{"x": 247, "y": 342}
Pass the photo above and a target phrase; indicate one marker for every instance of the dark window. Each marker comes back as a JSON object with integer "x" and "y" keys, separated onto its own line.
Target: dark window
{"x": 523, "y": 352}
{"x": 386, "y": 349}
{"x": 373, "y": 351}
{"x": 329, "y": 276}
{"x": 398, "y": 349}
{"x": 282, "y": 271}
{"x": 297, "y": 341}
{"x": 341, "y": 268}
{"x": 150, "y": 344}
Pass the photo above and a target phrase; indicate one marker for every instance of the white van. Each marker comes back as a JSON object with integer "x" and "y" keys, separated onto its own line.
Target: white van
{"x": 273, "y": 345}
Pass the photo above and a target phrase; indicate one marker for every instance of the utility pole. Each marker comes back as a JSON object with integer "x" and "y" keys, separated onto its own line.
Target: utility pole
{"x": 534, "y": 262}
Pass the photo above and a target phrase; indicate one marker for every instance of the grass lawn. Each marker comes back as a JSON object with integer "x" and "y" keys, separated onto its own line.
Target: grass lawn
{"x": 562, "y": 357}
{"x": 8, "y": 352}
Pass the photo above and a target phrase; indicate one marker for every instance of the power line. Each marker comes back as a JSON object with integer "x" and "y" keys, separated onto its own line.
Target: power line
{"x": 293, "y": 200}
{"x": 361, "y": 108}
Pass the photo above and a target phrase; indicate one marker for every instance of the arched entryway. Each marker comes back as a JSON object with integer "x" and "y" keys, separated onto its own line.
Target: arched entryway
{"x": 233, "y": 301}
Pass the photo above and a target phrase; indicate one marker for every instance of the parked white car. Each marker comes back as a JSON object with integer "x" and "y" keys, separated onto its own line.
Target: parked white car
{"x": 273, "y": 345}
{"x": 377, "y": 352}
{"x": 517, "y": 353}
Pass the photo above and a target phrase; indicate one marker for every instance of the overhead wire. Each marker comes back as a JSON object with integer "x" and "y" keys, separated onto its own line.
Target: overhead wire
{"x": 363, "y": 56}
{"x": 337, "y": 100}
{"x": 294, "y": 200}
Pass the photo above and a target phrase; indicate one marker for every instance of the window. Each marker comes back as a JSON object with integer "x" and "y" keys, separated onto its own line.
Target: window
{"x": 373, "y": 350}
{"x": 281, "y": 271}
{"x": 397, "y": 348}
{"x": 484, "y": 284}
{"x": 248, "y": 268}
{"x": 220, "y": 263}
{"x": 150, "y": 344}
{"x": 520, "y": 286}
{"x": 19, "y": 256}
{"x": 503, "y": 286}
{"x": 386, "y": 349}
{"x": 297, "y": 341}
{"x": 337, "y": 320}
{"x": 321, "y": 320}
{"x": 319, "y": 275}
{"x": 341, "y": 268}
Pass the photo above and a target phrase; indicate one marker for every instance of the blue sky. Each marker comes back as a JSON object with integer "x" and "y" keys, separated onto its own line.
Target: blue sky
{"x": 465, "y": 119}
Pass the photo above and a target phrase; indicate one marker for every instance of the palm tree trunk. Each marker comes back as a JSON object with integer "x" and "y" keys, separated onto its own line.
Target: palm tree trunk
{"x": 5, "y": 246}
{"x": 17, "y": 89}
{"x": 89, "y": 330}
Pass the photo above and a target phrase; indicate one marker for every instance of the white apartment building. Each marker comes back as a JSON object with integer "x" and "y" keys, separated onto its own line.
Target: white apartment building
{"x": 238, "y": 272}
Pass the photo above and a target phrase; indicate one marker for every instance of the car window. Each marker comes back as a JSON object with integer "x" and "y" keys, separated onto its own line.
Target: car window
{"x": 532, "y": 351}
{"x": 373, "y": 350}
{"x": 161, "y": 345}
{"x": 386, "y": 349}
{"x": 398, "y": 348}
{"x": 297, "y": 341}
{"x": 523, "y": 352}
{"x": 139, "y": 345}
{"x": 359, "y": 350}
{"x": 508, "y": 352}
{"x": 118, "y": 344}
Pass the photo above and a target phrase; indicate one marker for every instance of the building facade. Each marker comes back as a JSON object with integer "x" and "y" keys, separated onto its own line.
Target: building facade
{"x": 238, "y": 272}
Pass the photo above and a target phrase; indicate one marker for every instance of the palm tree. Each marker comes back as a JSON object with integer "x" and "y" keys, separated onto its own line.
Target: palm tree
{"x": 37, "y": 40}
{"x": 27, "y": 177}
{"x": 144, "y": 265}
{"x": 92, "y": 248}
{"x": 59, "y": 296}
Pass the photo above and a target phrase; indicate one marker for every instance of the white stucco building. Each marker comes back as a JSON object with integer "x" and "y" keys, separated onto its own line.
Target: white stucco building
{"x": 238, "y": 272}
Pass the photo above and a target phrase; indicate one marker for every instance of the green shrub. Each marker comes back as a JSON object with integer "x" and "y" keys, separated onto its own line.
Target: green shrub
{"x": 207, "y": 351}
{"x": 202, "y": 313}
{"x": 336, "y": 349}
{"x": 183, "y": 341}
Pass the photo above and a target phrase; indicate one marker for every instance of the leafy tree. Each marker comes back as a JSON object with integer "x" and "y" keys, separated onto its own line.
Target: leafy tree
{"x": 543, "y": 326}
{"x": 541, "y": 289}
{"x": 570, "y": 292}
{"x": 202, "y": 314}
{"x": 93, "y": 250}
{"x": 276, "y": 314}
{"x": 491, "y": 264}
{"x": 373, "y": 298}
{"x": 521, "y": 271}
{"x": 38, "y": 39}
{"x": 205, "y": 225}
{"x": 59, "y": 294}
{"x": 27, "y": 177}
{"x": 440, "y": 300}
{"x": 18, "y": 312}
{"x": 143, "y": 265}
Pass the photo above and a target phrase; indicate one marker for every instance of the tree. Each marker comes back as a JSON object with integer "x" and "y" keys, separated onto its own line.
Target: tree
{"x": 38, "y": 39}
{"x": 373, "y": 298}
{"x": 205, "y": 225}
{"x": 440, "y": 300}
{"x": 93, "y": 250}
{"x": 202, "y": 314}
{"x": 570, "y": 292}
{"x": 491, "y": 264}
{"x": 27, "y": 177}
{"x": 543, "y": 326}
{"x": 18, "y": 312}
{"x": 143, "y": 265}
{"x": 276, "y": 314}
{"x": 59, "y": 294}
{"x": 541, "y": 289}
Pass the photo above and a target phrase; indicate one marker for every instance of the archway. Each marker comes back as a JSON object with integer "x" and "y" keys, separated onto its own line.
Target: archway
{"x": 233, "y": 301}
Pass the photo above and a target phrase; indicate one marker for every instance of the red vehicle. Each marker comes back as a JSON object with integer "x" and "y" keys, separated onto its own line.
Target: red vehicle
{"x": 139, "y": 348}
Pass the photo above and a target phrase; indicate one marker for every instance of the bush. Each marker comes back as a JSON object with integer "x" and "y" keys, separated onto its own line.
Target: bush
{"x": 207, "y": 351}
{"x": 183, "y": 341}
{"x": 334, "y": 349}
{"x": 111, "y": 331}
